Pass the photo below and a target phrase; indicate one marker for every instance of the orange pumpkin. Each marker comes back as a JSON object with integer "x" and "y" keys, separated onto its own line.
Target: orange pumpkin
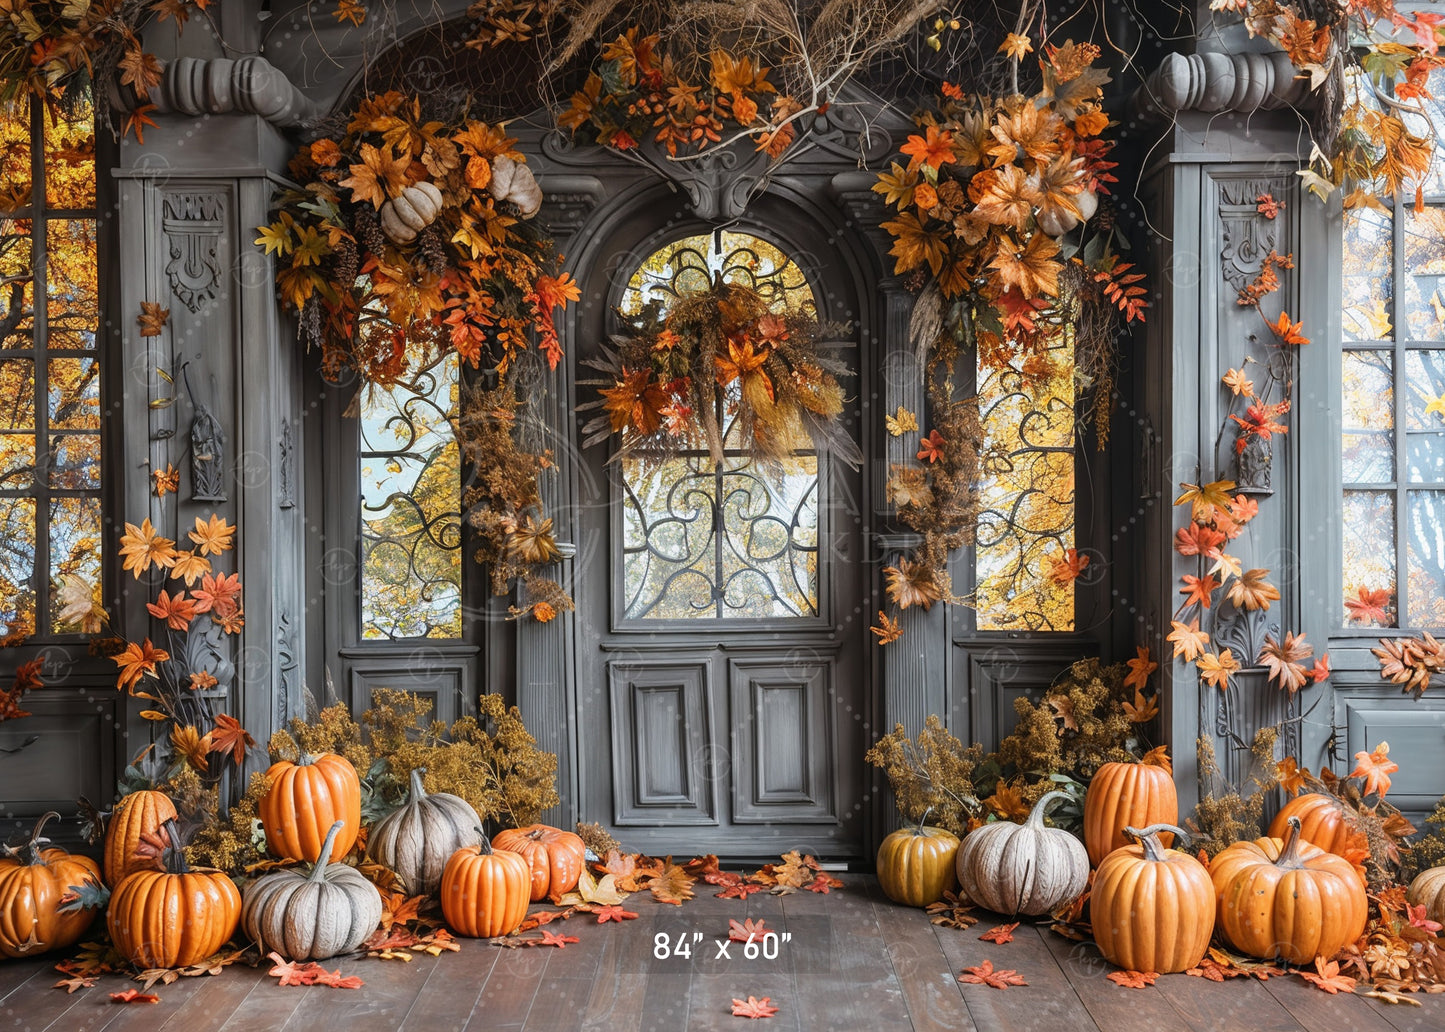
{"x": 1124, "y": 795}
{"x": 139, "y": 813}
{"x": 1152, "y": 908}
{"x": 554, "y": 856}
{"x": 1324, "y": 821}
{"x": 1288, "y": 898}
{"x": 32, "y": 880}
{"x": 485, "y": 892}
{"x": 173, "y": 917}
{"x": 305, "y": 799}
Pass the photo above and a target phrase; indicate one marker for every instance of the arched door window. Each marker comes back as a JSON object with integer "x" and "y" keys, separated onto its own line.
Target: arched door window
{"x": 728, "y": 540}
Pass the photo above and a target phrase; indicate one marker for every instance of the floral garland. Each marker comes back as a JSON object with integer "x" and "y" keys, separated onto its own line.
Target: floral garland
{"x": 639, "y": 93}
{"x": 1000, "y": 222}
{"x": 409, "y": 239}
{"x": 675, "y": 377}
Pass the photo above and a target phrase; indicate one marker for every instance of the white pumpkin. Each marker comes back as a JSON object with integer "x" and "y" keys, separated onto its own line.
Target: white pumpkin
{"x": 1428, "y": 890}
{"x": 418, "y": 839}
{"x": 403, "y": 217}
{"x": 311, "y": 915}
{"x": 1023, "y": 868}
{"x": 513, "y": 181}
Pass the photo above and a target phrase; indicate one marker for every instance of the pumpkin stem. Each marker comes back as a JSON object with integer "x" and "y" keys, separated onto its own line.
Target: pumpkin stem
{"x": 1289, "y": 853}
{"x": 1036, "y": 815}
{"x": 418, "y": 790}
{"x": 30, "y": 851}
{"x": 484, "y": 847}
{"x": 318, "y": 870}
{"x": 173, "y": 858}
{"x": 1149, "y": 839}
{"x": 922, "y": 820}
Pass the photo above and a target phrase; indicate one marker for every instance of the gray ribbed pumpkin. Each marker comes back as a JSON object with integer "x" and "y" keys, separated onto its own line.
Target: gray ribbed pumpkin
{"x": 417, "y": 840}
{"x": 311, "y": 915}
{"x": 1023, "y": 868}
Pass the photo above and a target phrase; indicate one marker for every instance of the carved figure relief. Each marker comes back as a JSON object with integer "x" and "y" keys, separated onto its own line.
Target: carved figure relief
{"x": 193, "y": 225}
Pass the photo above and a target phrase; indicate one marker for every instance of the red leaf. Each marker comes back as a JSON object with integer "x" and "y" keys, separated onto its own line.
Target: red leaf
{"x": 613, "y": 913}
{"x": 743, "y": 931}
{"x": 134, "y": 996}
{"x": 1133, "y": 979}
{"x": 556, "y": 939}
{"x": 738, "y": 890}
{"x": 753, "y": 1007}
{"x": 985, "y": 974}
{"x": 1000, "y": 933}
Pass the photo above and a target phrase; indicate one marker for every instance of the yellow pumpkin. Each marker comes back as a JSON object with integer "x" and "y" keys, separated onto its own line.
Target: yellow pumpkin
{"x": 916, "y": 865}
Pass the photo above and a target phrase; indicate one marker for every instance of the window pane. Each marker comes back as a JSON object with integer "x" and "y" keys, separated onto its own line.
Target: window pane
{"x": 1369, "y": 545}
{"x": 14, "y": 156}
{"x": 1368, "y": 279}
{"x": 411, "y": 536}
{"x": 668, "y": 549}
{"x": 17, "y": 294}
{"x": 72, "y": 307}
{"x": 1367, "y": 423}
{"x": 75, "y": 537}
{"x": 74, "y": 394}
{"x": 1425, "y": 530}
{"x": 17, "y": 567}
{"x": 1027, "y": 515}
{"x": 75, "y": 462}
{"x": 70, "y": 158}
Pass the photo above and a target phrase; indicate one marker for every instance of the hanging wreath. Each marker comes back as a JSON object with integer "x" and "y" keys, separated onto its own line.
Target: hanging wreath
{"x": 721, "y": 368}
{"x": 409, "y": 237}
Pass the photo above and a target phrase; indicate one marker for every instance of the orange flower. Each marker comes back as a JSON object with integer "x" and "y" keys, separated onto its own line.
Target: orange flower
{"x": 325, "y": 153}
{"x": 231, "y": 622}
{"x": 138, "y": 661}
{"x": 213, "y": 536}
{"x": 931, "y": 447}
{"x": 544, "y": 612}
{"x": 925, "y": 196}
{"x": 202, "y": 679}
{"x": 218, "y": 595}
{"x": 189, "y": 567}
{"x": 934, "y": 149}
{"x": 141, "y": 546}
{"x": 177, "y": 612}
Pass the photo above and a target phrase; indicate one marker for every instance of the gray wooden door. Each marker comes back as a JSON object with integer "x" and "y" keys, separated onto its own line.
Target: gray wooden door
{"x": 722, "y": 615}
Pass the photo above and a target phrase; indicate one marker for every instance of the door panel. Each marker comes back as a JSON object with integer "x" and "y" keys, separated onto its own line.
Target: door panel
{"x": 1415, "y": 730}
{"x": 662, "y": 724}
{"x": 784, "y": 740}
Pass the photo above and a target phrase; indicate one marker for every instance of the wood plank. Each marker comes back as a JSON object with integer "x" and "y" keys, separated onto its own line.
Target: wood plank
{"x": 268, "y": 1005}
{"x": 1049, "y": 999}
{"x": 15, "y": 973}
{"x": 391, "y": 987}
{"x": 1235, "y": 1005}
{"x": 510, "y": 989}
{"x": 1319, "y": 1010}
{"x": 1110, "y": 1006}
{"x": 710, "y": 997}
{"x": 619, "y": 985}
{"x": 135, "y": 1017}
{"x": 218, "y": 998}
{"x": 931, "y": 996}
{"x": 40, "y": 1005}
{"x": 450, "y": 993}
{"x": 561, "y": 1001}
{"x": 840, "y": 962}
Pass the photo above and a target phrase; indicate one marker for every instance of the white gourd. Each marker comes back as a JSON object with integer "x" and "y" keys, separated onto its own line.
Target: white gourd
{"x": 1023, "y": 868}
{"x": 419, "y": 838}
{"x": 513, "y": 181}
{"x": 311, "y": 915}
{"x": 403, "y": 217}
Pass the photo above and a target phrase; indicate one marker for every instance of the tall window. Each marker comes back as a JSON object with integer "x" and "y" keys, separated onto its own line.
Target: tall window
{"x": 1392, "y": 443}
{"x": 719, "y": 540}
{"x": 50, "y": 449}
{"x": 411, "y": 533}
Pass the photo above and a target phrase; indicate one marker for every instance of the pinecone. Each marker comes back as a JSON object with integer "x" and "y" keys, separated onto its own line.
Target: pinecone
{"x": 915, "y": 281}
{"x": 347, "y": 262}
{"x": 368, "y": 230}
{"x": 310, "y": 322}
{"x": 1104, "y": 216}
{"x": 432, "y": 249}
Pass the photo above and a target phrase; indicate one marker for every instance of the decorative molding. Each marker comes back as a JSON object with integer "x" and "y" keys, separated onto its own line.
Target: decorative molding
{"x": 567, "y": 201}
{"x": 193, "y": 224}
{"x": 208, "y": 452}
{"x": 1247, "y": 236}
{"x": 1253, "y": 467}
{"x": 222, "y": 86}
{"x": 286, "y": 444}
{"x": 1217, "y": 83}
{"x": 285, "y": 664}
{"x": 1242, "y": 631}
{"x": 208, "y": 650}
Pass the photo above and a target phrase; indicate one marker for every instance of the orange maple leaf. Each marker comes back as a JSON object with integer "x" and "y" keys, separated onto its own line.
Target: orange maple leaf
{"x": 934, "y": 149}
{"x": 1198, "y": 539}
{"x": 1251, "y": 591}
{"x": 753, "y": 1007}
{"x": 1326, "y": 976}
{"x": 1065, "y": 569}
{"x": 1030, "y": 268}
{"x": 1133, "y": 979}
{"x": 1000, "y": 934}
{"x": 1198, "y": 590}
{"x": 1140, "y": 667}
{"x": 1376, "y": 768}
{"x": 1370, "y": 606}
{"x": 228, "y": 734}
{"x": 887, "y": 629}
{"x": 177, "y": 611}
{"x": 1285, "y": 660}
{"x": 1286, "y": 331}
{"x": 138, "y": 661}
{"x": 152, "y": 318}
{"x": 1188, "y": 640}
{"x": 1216, "y": 669}
{"x": 986, "y": 974}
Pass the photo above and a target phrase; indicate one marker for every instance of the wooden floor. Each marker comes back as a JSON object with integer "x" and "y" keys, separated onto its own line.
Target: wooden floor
{"x": 855, "y": 961}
